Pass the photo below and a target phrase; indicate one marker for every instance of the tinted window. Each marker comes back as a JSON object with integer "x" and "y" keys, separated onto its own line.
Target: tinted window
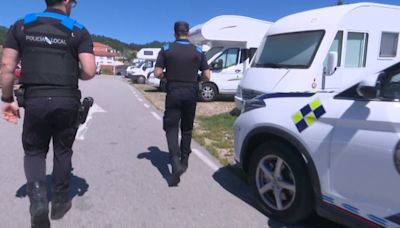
{"x": 229, "y": 57}
{"x": 389, "y": 44}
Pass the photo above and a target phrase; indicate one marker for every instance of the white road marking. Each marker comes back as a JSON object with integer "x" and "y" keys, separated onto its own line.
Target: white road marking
{"x": 131, "y": 89}
{"x": 80, "y": 135}
{"x": 146, "y": 105}
{"x": 206, "y": 160}
{"x": 139, "y": 99}
{"x": 156, "y": 115}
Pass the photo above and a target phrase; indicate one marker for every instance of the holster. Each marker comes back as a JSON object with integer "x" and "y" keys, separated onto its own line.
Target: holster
{"x": 87, "y": 103}
{"x": 20, "y": 95}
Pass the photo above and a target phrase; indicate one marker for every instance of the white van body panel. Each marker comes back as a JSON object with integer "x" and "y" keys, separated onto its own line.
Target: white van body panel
{"x": 352, "y": 20}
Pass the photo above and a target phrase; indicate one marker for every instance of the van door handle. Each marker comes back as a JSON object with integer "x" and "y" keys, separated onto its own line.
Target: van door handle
{"x": 238, "y": 71}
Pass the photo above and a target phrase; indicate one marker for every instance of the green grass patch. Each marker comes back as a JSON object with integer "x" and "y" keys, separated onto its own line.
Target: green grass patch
{"x": 215, "y": 133}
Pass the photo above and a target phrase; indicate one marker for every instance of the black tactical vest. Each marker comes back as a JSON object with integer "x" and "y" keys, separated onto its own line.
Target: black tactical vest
{"x": 48, "y": 56}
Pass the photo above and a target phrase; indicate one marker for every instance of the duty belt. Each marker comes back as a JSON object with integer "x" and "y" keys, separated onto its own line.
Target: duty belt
{"x": 179, "y": 84}
{"x": 39, "y": 91}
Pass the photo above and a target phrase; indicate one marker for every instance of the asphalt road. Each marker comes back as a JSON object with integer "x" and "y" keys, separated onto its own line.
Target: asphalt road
{"x": 121, "y": 169}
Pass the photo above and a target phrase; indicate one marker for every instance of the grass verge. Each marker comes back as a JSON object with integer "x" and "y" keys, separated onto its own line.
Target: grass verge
{"x": 215, "y": 133}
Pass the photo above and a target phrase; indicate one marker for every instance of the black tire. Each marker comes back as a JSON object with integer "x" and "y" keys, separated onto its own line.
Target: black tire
{"x": 141, "y": 79}
{"x": 300, "y": 204}
{"x": 208, "y": 92}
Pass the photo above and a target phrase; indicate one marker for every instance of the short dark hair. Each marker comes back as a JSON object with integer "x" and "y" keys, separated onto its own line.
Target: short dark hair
{"x": 181, "y": 28}
{"x": 50, "y": 3}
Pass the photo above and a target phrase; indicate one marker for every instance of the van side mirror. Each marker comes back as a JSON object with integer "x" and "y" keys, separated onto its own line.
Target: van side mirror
{"x": 217, "y": 65}
{"x": 368, "y": 87}
{"x": 332, "y": 61}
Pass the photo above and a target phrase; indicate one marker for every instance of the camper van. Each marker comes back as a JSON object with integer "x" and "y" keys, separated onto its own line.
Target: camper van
{"x": 145, "y": 65}
{"x": 323, "y": 50}
{"x": 232, "y": 41}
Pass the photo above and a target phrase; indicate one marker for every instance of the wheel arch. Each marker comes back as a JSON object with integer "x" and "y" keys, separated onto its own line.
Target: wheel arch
{"x": 262, "y": 134}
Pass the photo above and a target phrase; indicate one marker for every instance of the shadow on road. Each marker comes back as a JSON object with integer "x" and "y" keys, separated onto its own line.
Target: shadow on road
{"x": 233, "y": 180}
{"x": 159, "y": 159}
{"x": 78, "y": 187}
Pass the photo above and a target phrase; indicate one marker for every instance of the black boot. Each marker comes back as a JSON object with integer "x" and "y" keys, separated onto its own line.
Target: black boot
{"x": 177, "y": 171}
{"x": 60, "y": 204}
{"x": 184, "y": 162}
{"x": 39, "y": 209}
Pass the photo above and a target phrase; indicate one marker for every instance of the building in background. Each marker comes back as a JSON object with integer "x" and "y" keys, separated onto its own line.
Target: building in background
{"x": 106, "y": 58}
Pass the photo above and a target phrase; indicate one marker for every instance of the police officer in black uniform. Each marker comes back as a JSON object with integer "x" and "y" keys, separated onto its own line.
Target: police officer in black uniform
{"x": 182, "y": 61}
{"x": 51, "y": 46}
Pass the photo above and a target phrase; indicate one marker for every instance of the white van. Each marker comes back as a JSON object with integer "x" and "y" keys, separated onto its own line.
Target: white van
{"x": 148, "y": 57}
{"x": 232, "y": 41}
{"x": 323, "y": 50}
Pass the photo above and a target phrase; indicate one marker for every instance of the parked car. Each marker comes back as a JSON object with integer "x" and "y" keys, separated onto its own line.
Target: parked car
{"x": 335, "y": 153}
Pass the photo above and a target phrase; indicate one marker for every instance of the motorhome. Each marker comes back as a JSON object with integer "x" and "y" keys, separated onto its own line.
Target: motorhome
{"x": 323, "y": 50}
{"x": 232, "y": 40}
{"x": 145, "y": 64}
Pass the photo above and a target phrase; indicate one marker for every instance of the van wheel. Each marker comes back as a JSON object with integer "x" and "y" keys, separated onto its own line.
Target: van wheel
{"x": 208, "y": 92}
{"x": 280, "y": 180}
{"x": 141, "y": 79}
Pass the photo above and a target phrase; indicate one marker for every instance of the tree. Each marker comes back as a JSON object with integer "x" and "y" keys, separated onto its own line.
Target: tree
{"x": 340, "y": 2}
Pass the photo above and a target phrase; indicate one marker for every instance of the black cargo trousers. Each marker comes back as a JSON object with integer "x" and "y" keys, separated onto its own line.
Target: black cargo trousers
{"x": 180, "y": 107}
{"x": 46, "y": 118}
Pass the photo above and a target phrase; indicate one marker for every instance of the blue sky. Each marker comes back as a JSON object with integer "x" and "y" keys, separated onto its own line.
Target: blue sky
{"x": 145, "y": 21}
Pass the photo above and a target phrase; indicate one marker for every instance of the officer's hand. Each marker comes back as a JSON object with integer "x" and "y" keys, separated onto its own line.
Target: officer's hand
{"x": 11, "y": 112}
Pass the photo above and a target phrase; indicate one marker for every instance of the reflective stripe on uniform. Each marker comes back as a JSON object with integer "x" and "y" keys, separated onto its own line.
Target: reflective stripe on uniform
{"x": 65, "y": 20}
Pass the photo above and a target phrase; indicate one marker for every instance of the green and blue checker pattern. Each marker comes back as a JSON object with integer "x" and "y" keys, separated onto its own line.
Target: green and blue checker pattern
{"x": 308, "y": 115}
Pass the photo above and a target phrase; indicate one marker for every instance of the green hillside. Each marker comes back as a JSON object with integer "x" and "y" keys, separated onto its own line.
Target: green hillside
{"x": 3, "y": 32}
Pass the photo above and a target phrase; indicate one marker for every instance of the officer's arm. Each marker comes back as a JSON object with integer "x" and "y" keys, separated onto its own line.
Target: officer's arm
{"x": 158, "y": 72}
{"x": 205, "y": 75}
{"x": 8, "y": 64}
{"x": 88, "y": 66}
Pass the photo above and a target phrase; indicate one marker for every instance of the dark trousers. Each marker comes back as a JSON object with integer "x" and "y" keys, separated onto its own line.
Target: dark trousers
{"x": 49, "y": 118}
{"x": 180, "y": 107}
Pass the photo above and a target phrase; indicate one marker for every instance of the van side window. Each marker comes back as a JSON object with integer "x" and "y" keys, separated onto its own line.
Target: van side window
{"x": 356, "y": 51}
{"x": 229, "y": 57}
{"x": 247, "y": 54}
{"x": 389, "y": 43}
{"x": 336, "y": 47}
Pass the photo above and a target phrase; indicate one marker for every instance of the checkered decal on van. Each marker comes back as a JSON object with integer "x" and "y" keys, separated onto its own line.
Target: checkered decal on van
{"x": 308, "y": 115}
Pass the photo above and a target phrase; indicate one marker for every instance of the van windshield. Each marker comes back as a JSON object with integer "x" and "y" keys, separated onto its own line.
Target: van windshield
{"x": 137, "y": 64}
{"x": 289, "y": 50}
{"x": 212, "y": 52}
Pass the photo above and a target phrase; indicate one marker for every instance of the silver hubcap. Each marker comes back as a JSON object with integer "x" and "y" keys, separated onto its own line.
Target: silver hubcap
{"x": 275, "y": 183}
{"x": 207, "y": 93}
